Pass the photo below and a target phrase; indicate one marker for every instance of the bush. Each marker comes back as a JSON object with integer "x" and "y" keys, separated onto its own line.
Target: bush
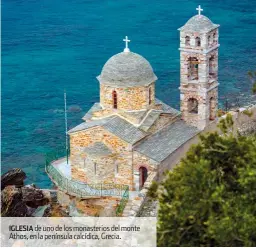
{"x": 210, "y": 198}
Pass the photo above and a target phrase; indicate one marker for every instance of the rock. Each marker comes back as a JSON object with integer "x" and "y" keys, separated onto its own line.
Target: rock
{"x": 12, "y": 204}
{"x": 33, "y": 197}
{"x": 13, "y": 177}
{"x": 41, "y": 211}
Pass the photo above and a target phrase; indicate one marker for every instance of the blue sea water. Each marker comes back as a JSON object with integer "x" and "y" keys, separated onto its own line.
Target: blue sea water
{"x": 52, "y": 45}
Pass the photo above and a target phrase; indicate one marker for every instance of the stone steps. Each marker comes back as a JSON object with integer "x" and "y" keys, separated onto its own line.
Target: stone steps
{"x": 127, "y": 209}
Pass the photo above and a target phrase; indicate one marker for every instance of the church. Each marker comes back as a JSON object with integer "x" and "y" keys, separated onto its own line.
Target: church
{"x": 130, "y": 133}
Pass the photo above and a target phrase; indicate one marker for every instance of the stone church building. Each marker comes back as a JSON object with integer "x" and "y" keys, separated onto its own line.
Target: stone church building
{"x": 130, "y": 133}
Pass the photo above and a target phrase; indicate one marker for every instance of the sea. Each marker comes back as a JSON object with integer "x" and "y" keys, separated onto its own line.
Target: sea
{"x": 49, "y": 46}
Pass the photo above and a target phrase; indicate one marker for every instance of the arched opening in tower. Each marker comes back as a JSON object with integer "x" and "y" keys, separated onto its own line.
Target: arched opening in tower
{"x": 198, "y": 41}
{"x": 209, "y": 41}
{"x": 214, "y": 38}
{"x": 187, "y": 41}
{"x": 212, "y": 67}
{"x": 192, "y": 106}
{"x": 193, "y": 68}
{"x": 114, "y": 99}
{"x": 212, "y": 108}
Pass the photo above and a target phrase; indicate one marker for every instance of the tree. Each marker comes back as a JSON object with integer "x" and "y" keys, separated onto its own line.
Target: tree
{"x": 209, "y": 199}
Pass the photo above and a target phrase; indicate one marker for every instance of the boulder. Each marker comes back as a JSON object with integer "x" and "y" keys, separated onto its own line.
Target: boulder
{"x": 11, "y": 203}
{"x": 33, "y": 197}
{"x": 13, "y": 177}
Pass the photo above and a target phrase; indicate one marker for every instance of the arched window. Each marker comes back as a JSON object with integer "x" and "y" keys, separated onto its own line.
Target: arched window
{"x": 193, "y": 68}
{"x": 214, "y": 38}
{"x": 198, "y": 41}
{"x": 149, "y": 96}
{"x": 211, "y": 66}
{"x": 116, "y": 169}
{"x": 212, "y": 108}
{"x": 95, "y": 168}
{"x": 192, "y": 106}
{"x": 209, "y": 40}
{"x": 114, "y": 98}
{"x": 187, "y": 41}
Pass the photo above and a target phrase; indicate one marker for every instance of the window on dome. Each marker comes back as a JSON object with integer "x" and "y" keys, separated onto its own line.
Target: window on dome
{"x": 198, "y": 41}
{"x": 149, "y": 96}
{"x": 192, "y": 106}
{"x": 187, "y": 41}
{"x": 95, "y": 168}
{"x": 116, "y": 169}
{"x": 193, "y": 68}
{"x": 114, "y": 98}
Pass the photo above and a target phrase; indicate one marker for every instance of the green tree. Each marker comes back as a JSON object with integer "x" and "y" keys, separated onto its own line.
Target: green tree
{"x": 210, "y": 198}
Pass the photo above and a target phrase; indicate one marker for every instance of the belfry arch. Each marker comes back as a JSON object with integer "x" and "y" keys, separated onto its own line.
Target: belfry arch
{"x": 192, "y": 105}
{"x": 212, "y": 108}
{"x": 192, "y": 67}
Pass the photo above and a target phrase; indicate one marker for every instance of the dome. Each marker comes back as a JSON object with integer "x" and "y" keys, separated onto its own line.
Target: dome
{"x": 127, "y": 69}
{"x": 199, "y": 23}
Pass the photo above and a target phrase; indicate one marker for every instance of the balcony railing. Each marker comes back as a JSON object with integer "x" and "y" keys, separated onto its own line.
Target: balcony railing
{"x": 83, "y": 190}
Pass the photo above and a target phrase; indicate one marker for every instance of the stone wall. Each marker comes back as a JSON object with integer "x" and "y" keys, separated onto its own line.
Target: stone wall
{"x": 83, "y": 166}
{"x": 131, "y": 98}
{"x": 207, "y": 106}
{"x": 242, "y": 122}
{"x": 139, "y": 160}
{"x": 135, "y": 205}
{"x": 199, "y": 75}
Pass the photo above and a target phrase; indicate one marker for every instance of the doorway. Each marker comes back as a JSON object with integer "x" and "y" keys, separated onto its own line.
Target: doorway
{"x": 143, "y": 176}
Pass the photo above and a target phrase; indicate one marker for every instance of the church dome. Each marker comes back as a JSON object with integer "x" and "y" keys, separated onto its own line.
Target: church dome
{"x": 199, "y": 23}
{"x": 127, "y": 69}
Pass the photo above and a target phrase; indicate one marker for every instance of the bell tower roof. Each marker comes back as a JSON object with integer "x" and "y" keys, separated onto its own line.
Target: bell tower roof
{"x": 199, "y": 23}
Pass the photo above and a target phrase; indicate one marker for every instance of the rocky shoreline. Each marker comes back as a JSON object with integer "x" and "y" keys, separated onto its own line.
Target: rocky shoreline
{"x": 19, "y": 200}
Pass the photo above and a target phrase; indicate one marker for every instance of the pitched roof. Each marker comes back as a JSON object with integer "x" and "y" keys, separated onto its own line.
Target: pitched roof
{"x": 89, "y": 124}
{"x": 96, "y": 107}
{"x": 199, "y": 23}
{"x": 166, "y": 108}
{"x": 124, "y": 130}
{"x": 115, "y": 125}
{"x": 152, "y": 116}
{"x": 161, "y": 144}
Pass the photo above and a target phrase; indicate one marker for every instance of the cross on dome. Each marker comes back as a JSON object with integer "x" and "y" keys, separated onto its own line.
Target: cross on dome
{"x": 126, "y": 50}
{"x": 199, "y": 10}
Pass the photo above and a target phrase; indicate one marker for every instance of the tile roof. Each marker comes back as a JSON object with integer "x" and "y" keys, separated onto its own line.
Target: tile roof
{"x": 89, "y": 124}
{"x": 167, "y": 109}
{"x": 96, "y": 107}
{"x": 115, "y": 125}
{"x": 127, "y": 70}
{"x": 161, "y": 144}
{"x": 124, "y": 130}
{"x": 152, "y": 116}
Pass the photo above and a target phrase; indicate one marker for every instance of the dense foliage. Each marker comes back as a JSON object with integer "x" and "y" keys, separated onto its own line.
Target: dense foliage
{"x": 210, "y": 198}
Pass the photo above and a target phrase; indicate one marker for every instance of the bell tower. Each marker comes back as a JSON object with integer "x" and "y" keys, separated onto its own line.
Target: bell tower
{"x": 199, "y": 43}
